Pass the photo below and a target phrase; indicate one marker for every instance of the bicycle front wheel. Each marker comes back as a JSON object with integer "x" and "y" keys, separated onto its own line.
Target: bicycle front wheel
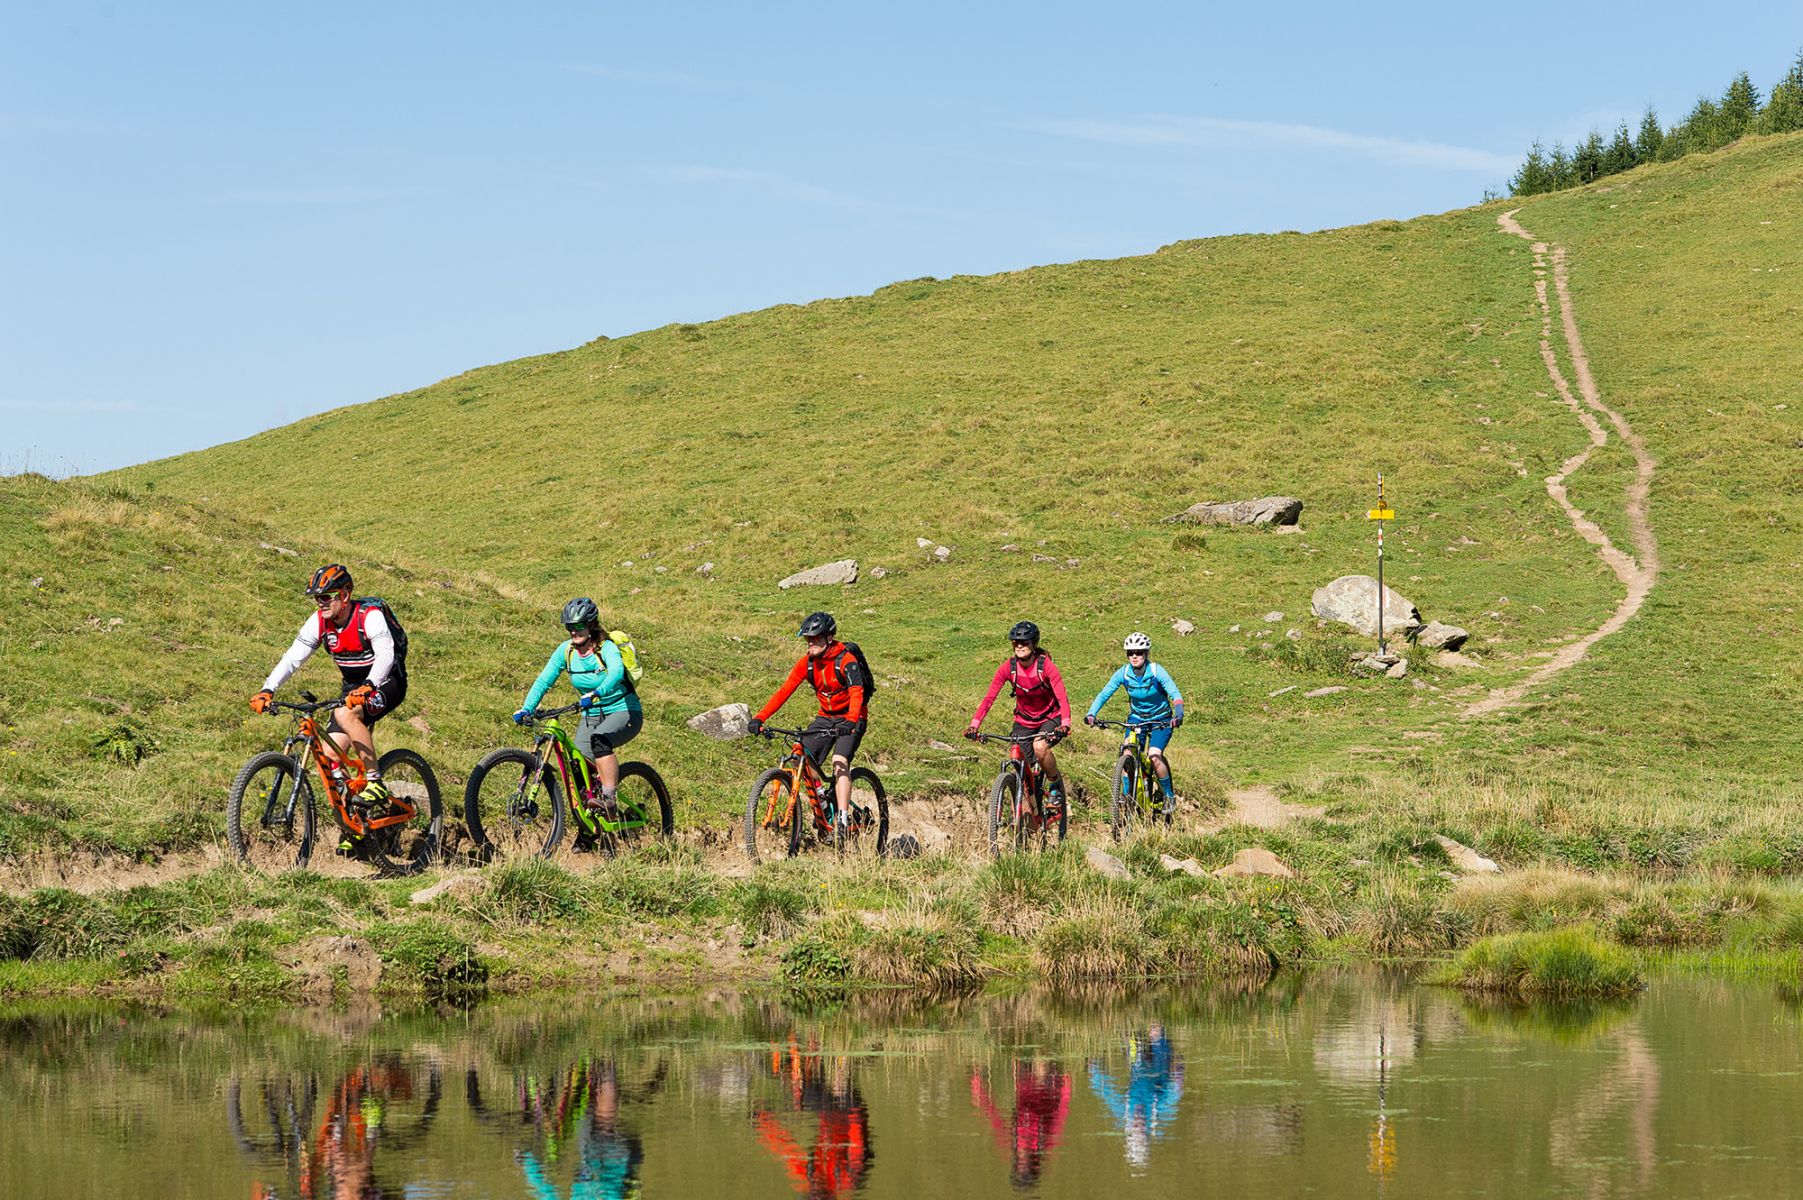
{"x": 773, "y": 817}
{"x": 413, "y": 845}
{"x": 269, "y": 813}
{"x": 1004, "y": 813}
{"x": 644, "y": 809}
{"x": 1126, "y": 787}
{"x": 513, "y": 805}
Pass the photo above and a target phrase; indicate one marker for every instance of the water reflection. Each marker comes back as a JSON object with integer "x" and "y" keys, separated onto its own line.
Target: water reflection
{"x": 1350, "y": 1085}
{"x": 1028, "y": 1132}
{"x": 1145, "y": 1105}
{"x": 836, "y": 1158}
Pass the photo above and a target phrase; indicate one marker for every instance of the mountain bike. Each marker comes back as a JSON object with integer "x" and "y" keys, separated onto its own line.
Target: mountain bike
{"x": 775, "y": 817}
{"x": 514, "y": 803}
{"x": 1019, "y": 810}
{"x": 269, "y": 814}
{"x": 1138, "y": 796}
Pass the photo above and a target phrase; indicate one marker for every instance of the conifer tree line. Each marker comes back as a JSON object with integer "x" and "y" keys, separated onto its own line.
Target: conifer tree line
{"x": 1711, "y": 125}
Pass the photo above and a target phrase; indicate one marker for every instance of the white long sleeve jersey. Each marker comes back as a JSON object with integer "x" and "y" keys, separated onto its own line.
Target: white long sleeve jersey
{"x": 363, "y": 648}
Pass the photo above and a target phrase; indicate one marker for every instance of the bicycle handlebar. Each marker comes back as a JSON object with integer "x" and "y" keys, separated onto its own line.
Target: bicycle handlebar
{"x": 1166, "y": 724}
{"x": 545, "y": 714}
{"x": 772, "y": 731}
{"x": 1020, "y": 739}
{"x": 309, "y": 706}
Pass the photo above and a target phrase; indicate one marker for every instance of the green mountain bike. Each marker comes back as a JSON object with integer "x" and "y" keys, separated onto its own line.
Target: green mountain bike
{"x": 1138, "y": 798}
{"x": 514, "y": 803}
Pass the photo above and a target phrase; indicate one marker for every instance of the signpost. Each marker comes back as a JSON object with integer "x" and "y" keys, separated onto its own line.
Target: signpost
{"x": 1380, "y": 514}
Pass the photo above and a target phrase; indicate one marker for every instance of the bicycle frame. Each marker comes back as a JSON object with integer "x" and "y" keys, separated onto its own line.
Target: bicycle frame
{"x": 315, "y": 747}
{"x": 804, "y": 774}
{"x": 1029, "y": 797}
{"x": 1135, "y": 739}
{"x": 573, "y": 767}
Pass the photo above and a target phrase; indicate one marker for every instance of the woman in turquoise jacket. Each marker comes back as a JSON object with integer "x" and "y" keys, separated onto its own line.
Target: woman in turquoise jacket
{"x": 611, "y": 714}
{"x": 1152, "y": 697}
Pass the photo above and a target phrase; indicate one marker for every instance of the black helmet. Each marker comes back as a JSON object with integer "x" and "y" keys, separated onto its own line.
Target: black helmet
{"x": 1024, "y": 631}
{"x": 333, "y": 577}
{"x": 581, "y": 613}
{"x": 820, "y": 624}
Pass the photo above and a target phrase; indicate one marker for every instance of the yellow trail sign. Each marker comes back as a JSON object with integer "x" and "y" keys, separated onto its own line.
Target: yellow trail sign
{"x": 1381, "y": 514}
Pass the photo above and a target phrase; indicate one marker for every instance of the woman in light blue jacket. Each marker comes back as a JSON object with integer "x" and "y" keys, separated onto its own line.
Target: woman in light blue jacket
{"x": 1152, "y": 697}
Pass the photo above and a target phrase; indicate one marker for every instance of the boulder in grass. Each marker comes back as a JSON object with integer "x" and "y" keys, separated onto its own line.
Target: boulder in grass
{"x": 1106, "y": 863}
{"x": 723, "y": 724}
{"x": 1352, "y": 600}
{"x": 827, "y": 574}
{"x": 1465, "y": 858}
{"x": 1436, "y": 636}
{"x": 1267, "y": 510}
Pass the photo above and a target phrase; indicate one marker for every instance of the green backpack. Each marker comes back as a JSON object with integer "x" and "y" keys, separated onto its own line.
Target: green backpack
{"x": 629, "y": 657}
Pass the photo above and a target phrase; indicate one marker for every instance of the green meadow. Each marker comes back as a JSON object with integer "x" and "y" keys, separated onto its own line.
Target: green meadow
{"x": 1041, "y": 424}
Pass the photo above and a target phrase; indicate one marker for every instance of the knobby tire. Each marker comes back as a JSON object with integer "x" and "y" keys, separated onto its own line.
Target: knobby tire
{"x": 269, "y": 779}
{"x": 502, "y": 826}
{"x": 775, "y": 785}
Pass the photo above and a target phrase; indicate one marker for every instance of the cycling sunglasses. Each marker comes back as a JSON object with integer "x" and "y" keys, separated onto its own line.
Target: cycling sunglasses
{"x": 577, "y": 630}
{"x": 329, "y": 599}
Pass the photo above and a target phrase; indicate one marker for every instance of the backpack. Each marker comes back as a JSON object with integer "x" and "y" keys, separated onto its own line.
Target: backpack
{"x": 394, "y": 628}
{"x": 629, "y": 657}
{"x": 857, "y": 652}
{"x": 1040, "y": 657}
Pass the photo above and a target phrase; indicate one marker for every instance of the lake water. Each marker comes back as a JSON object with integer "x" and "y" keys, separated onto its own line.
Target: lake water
{"x": 1332, "y": 1085}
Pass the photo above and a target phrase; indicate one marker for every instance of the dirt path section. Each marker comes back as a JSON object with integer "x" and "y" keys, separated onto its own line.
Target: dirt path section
{"x": 1638, "y": 571}
{"x": 1260, "y": 808}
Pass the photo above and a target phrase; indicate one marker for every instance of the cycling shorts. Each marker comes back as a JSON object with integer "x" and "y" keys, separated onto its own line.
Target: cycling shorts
{"x": 838, "y": 734}
{"x": 386, "y": 699}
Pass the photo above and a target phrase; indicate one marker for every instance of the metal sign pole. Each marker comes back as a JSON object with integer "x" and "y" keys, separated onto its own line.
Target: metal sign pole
{"x": 1380, "y": 514}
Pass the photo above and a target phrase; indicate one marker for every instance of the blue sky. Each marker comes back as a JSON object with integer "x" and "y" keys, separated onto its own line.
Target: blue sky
{"x": 219, "y": 218}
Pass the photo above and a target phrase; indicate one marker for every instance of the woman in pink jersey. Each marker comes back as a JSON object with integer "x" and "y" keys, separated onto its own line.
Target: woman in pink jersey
{"x": 1040, "y": 705}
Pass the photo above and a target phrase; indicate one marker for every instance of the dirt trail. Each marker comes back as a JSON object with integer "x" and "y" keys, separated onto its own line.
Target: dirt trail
{"x": 1260, "y": 808}
{"x": 1638, "y": 571}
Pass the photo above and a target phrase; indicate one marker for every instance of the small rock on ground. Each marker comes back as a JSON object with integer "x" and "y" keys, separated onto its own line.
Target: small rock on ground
{"x": 1182, "y": 628}
{"x": 1322, "y": 691}
{"x": 1106, "y": 863}
{"x": 1465, "y": 858}
{"x": 1188, "y": 866}
{"x": 1352, "y": 600}
{"x": 1454, "y": 660}
{"x": 1437, "y": 636}
{"x": 464, "y": 883}
{"x": 1256, "y": 860}
{"x": 1283, "y": 690}
{"x": 1272, "y": 617}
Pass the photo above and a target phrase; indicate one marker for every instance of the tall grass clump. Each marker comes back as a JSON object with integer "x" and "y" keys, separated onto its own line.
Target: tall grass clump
{"x": 1107, "y": 941}
{"x": 536, "y": 892}
{"x": 925, "y": 950}
{"x": 765, "y": 908}
{"x": 1567, "y": 963}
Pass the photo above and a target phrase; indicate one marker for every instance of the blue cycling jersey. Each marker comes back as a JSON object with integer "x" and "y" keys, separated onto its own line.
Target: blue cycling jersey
{"x": 1150, "y": 693}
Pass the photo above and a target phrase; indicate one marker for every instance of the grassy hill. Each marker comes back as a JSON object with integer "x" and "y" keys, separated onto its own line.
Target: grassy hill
{"x": 1063, "y": 411}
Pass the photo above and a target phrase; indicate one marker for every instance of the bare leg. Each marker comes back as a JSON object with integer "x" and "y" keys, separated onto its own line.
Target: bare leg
{"x": 352, "y": 733}
{"x": 1159, "y": 764}
{"x": 842, "y": 782}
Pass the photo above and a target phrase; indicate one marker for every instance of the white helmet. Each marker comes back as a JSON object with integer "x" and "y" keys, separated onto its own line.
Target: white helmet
{"x": 1137, "y": 641}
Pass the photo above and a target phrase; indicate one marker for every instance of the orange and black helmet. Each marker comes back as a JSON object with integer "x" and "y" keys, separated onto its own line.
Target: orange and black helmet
{"x": 333, "y": 577}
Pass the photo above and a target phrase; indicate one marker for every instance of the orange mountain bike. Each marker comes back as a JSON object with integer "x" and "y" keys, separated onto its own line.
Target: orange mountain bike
{"x": 269, "y": 815}
{"x": 774, "y": 820}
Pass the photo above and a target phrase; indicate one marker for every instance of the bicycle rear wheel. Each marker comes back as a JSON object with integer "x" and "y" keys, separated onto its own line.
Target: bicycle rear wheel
{"x": 413, "y": 846}
{"x": 643, "y": 803}
{"x": 773, "y": 817}
{"x": 865, "y": 833}
{"x": 1004, "y": 813}
{"x": 269, "y": 813}
{"x": 1126, "y": 799}
{"x": 513, "y": 805}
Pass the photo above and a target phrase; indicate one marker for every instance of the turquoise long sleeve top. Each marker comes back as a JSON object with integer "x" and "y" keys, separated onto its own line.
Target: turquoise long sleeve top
{"x": 1151, "y": 693}
{"x": 603, "y": 674}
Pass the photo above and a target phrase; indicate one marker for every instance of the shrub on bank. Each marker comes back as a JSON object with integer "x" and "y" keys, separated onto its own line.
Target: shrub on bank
{"x": 1561, "y": 963}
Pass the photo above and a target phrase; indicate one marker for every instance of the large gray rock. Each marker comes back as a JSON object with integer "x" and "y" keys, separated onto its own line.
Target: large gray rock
{"x": 843, "y": 571}
{"x": 724, "y": 723}
{"x": 1267, "y": 510}
{"x": 1352, "y": 600}
{"x": 1465, "y": 858}
{"x": 1436, "y": 636}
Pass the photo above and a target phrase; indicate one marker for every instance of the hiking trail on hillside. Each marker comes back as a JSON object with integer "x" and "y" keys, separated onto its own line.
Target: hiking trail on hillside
{"x": 1638, "y": 571}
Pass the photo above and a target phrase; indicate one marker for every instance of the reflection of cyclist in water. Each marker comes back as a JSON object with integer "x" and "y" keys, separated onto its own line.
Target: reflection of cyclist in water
{"x": 839, "y": 1161}
{"x": 1149, "y": 1102}
{"x": 358, "y": 1120}
{"x": 583, "y": 1111}
{"x": 1042, "y": 1098}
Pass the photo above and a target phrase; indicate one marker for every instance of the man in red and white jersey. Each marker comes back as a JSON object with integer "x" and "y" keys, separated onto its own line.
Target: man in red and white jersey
{"x": 371, "y": 652}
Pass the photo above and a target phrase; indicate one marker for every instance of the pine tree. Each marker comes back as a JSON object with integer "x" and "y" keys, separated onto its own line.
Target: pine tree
{"x": 1587, "y": 159}
{"x": 1558, "y": 167}
{"x": 1620, "y": 155}
{"x": 1534, "y": 177}
{"x": 1651, "y": 137}
{"x": 1783, "y": 111}
{"x": 1740, "y": 105}
{"x": 1701, "y": 130}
